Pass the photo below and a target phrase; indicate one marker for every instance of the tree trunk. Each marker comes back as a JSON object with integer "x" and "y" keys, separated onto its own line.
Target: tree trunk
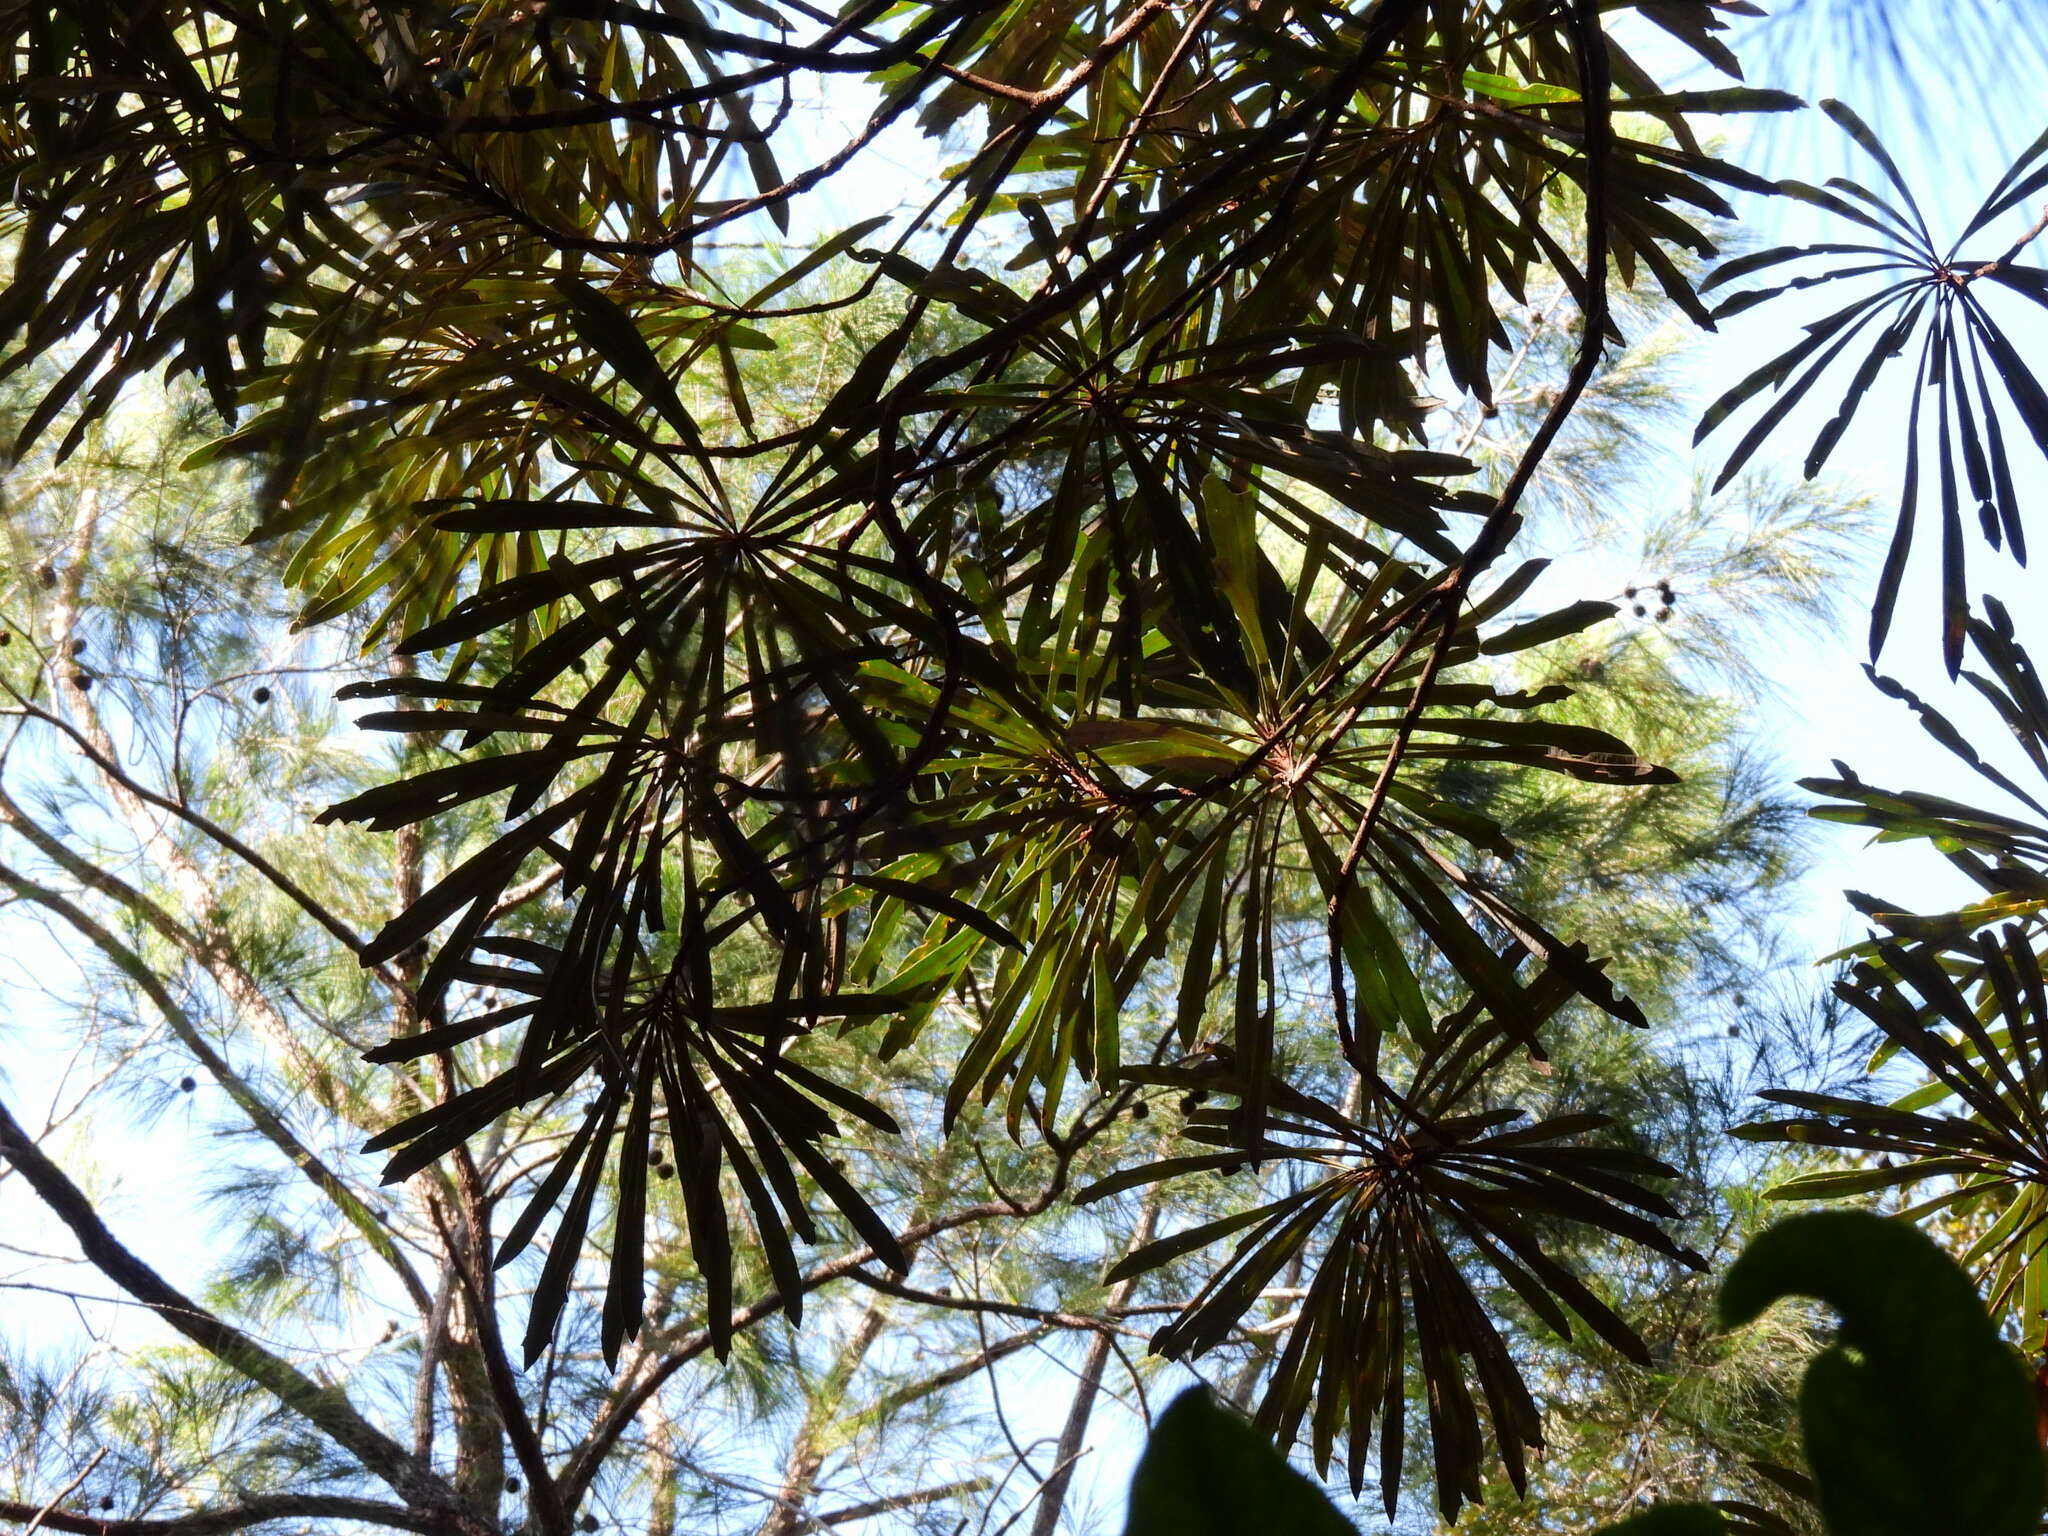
{"x": 806, "y": 1450}
{"x": 1053, "y": 1496}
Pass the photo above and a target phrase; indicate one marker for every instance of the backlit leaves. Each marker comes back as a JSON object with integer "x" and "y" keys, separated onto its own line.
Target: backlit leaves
{"x": 1012, "y": 607}
{"x": 1405, "y": 1208}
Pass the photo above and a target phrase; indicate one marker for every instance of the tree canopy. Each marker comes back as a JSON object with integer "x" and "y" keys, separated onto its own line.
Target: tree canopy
{"x": 1101, "y": 652}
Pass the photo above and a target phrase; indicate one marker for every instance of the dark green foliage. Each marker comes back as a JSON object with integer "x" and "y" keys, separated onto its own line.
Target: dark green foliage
{"x": 1917, "y": 1420}
{"x": 1392, "y": 1199}
{"x": 1961, "y": 995}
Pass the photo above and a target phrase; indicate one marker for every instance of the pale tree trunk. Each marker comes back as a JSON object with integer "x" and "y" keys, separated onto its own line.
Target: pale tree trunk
{"x": 479, "y": 1433}
{"x": 1053, "y": 1496}
{"x": 71, "y": 677}
{"x": 661, "y": 1498}
{"x": 807, "y": 1449}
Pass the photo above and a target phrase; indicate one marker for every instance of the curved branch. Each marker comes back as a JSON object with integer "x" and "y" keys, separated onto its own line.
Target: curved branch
{"x": 255, "y": 1511}
{"x": 583, "y": 1465}
{"x": 326, "y": 1407}
{"x": 896, "y": 1501}
{"x": 93, "y": 877}
{"x": 284, "y": 884}
{"x": 1590, "y": 45}
{"x": 469, "y": 1250}
{"x": 1076, "y": 1322}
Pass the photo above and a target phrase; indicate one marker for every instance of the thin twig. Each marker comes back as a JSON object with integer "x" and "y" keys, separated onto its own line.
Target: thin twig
{"x": 61, "y": 1494}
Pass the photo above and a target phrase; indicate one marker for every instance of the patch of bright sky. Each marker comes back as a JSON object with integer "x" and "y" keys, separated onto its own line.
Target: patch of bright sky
{"x": 1966, "y": 132}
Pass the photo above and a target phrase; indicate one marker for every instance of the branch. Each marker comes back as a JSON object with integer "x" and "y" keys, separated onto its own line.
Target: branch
{"x": 326, "y": 1407}
{"x": 548, "y": 1508}
{"x": 185, "y": 876}
{"x": 1052, "y": 1495}
{"x": 960, "y": 1370}
{"x": 818, "y": 55}
{"x": 94, "y": 878}
{"x": 896, "y": 1501}
{"x": 254, "y": 1511}
{"x": 1501, "y": 522}
{"x": 1074, "y": 1321}
{"x": 40, "y": 1516}
{"x": 284, "y": 883}
{"x": 266, "y": 1120}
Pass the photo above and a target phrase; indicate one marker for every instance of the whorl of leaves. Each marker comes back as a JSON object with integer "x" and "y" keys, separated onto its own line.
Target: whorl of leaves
{"x": 1014, "y": 670}
{"x": 1925, "y": 303}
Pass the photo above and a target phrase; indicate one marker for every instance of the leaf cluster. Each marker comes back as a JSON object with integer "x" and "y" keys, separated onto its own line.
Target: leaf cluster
{"x": 1011, "y": 676}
